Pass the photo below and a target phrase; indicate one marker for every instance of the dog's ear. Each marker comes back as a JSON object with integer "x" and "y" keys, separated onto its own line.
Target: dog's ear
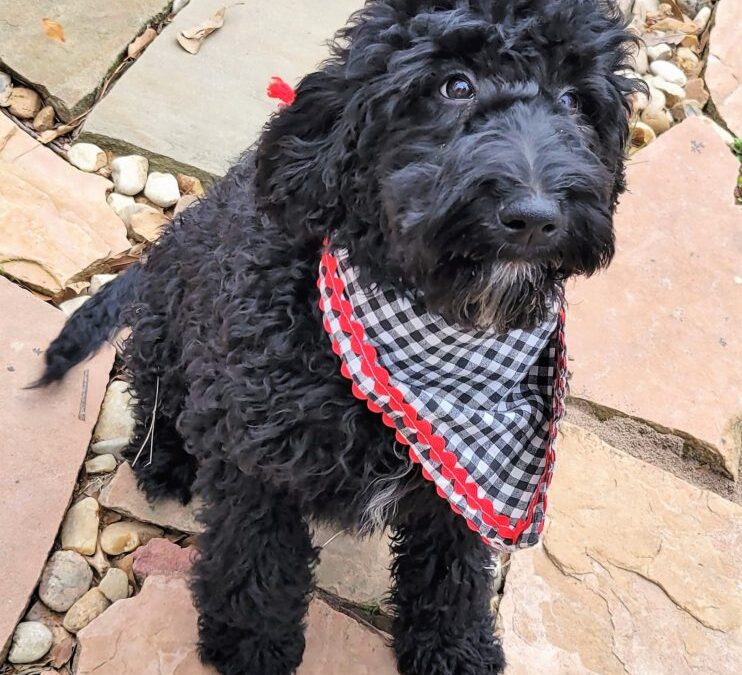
{"x": 299, "y": 155}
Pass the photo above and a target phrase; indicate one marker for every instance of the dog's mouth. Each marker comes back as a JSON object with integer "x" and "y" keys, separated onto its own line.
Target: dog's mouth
{"x": 503, "y": 294}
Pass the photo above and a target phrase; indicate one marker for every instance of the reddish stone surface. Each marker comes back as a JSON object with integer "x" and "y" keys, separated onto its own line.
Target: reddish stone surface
{"x": 55, "y": 225}
{"x": 657, "y": 336}
{"x": 724, "y": 68}
{"x": 162, "y": 557}
{"x": 44, "y": 434}
{"x": 155, "y": 633}
{"x": 123, "y": 495}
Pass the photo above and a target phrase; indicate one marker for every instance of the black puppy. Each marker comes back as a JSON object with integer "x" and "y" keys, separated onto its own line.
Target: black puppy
{"x": 466, "y": 152}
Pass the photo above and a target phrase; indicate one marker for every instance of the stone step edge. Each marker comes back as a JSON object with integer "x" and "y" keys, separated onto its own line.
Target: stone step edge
{"x": 704, "y": 453}
{"x": 157, "y": 162}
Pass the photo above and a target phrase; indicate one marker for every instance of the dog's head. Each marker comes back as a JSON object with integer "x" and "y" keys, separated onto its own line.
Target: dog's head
{"x": 469, "y": 150}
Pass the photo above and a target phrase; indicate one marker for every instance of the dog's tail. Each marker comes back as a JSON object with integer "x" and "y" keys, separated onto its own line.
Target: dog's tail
{"x": 89, "y": 327}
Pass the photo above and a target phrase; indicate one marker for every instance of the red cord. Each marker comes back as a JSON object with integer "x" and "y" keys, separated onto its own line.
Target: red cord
{"x": 282, "y": 91}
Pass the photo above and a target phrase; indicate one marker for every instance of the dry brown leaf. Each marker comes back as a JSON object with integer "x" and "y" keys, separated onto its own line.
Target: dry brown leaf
{"x": 138, "y": 44}
{"x": 53, "y": 134}
{"x": 675, "y": 25}
{"x": 675, "y": 9}
{"x": 652, "y": 39}
{"x": 192, "y": 39}
{"x": 52, "y": 29}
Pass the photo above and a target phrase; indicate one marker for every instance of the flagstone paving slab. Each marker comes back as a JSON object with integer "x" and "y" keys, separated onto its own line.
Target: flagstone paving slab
{"x": 211, "y": 106}
{"x": 639, "y": 572}
{"x": 155, "y": 633}
{"x": 657, "y": 336}
{"x": 44, "y": 434}
{"x": 724, "y": 67}
{"x": 123, "y": 496}
{"x": 55, "y": 225}
{"x": 354, "y": 568}
{"x": 68, "y": 73}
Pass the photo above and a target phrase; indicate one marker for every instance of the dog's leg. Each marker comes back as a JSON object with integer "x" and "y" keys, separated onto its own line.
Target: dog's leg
{"x": 156, "y": 451}
{"x": 442, "y": 589}
{"x": 253, "y": 577}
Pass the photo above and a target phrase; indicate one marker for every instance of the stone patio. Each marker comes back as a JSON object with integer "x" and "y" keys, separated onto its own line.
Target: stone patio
{"x": 656, "y": 335}
{"x": 225, "y": 113}
{"x": 43, "y": 437}
{"x": 639, "y": 570}
{"x": 68, "y": 74}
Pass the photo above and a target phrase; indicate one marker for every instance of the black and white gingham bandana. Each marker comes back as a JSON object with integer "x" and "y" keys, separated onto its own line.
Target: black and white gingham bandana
{"x": 478, "y": 410}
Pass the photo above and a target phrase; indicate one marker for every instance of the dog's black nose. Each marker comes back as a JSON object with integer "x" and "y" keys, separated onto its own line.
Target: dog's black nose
{"x": 531, "y": 220}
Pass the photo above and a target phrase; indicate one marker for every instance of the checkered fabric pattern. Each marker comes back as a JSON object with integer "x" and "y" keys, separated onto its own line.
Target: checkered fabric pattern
{"x": 477, "y": 409}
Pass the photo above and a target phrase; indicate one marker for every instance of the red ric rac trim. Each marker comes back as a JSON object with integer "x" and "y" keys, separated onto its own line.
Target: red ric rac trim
{"x": 461, "y": 481}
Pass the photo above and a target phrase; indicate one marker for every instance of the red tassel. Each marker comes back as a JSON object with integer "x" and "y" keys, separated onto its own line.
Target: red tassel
{"x": 281, "y": 90}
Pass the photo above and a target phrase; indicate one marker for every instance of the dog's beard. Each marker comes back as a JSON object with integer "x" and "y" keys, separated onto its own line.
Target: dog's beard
{"x": 503, "y": 296}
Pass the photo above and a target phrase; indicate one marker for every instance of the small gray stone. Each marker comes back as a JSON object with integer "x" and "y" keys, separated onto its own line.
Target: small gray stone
{"x": 31, "y": 641}
{"x": 6, "y": 86}
{"x": 87, "y": 157}
{"x": 97, "y": 281}
{"x": 129, "y": 174}
{"x": 115, "y": 585}
{"x": 66, "y": 578}
{"x": 89, "y": 606}
{"x": 668, "y": 72}
{"x": 113, "y": 446}
{"x": 101, "y": 464}
{"x": 162, "y": 189}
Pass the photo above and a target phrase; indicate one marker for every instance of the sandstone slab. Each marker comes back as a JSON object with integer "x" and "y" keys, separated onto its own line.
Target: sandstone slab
{"x": 69, "y": 73}
{"x": 160, "y": 557}
{"x": 154, "y": 633}
{"x": 123, "y": 495}
{"x": 638, "y": 573}
{"x": 656, "y": 336}
{"x": 724, "y": 67}
{"x": 55, "y": 226}
{"x": 205, "y": 122}
{"x": 44, "y": 434}
{"x": 355, "y": 569}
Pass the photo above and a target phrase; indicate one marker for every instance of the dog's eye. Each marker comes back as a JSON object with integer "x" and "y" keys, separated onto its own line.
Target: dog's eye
{"x": 458, "y": 88}
{"x": 569, "y": 101}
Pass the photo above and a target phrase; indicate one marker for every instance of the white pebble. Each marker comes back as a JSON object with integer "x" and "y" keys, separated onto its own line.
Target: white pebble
{"x": 6, "y": 87}
{"x": 162, "y": 189}
{"x": 673, "y": 92}
{"x": 129, "y": 174}
{"x": 31, "y": 641}
{"x": 660, "y": 52}
{"x": 119, "y": 203}
{"x": 129, "y": 211}
{"x": 69, "y": 307}
{"x": 702, "y": 18}
{"x": 668, "y": 72}
{"x": 87, "y": 157}
{"x": 97, "y": 281}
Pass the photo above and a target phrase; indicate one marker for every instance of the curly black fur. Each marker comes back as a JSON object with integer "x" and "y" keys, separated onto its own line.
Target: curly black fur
{"x": 252, "y": 412}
